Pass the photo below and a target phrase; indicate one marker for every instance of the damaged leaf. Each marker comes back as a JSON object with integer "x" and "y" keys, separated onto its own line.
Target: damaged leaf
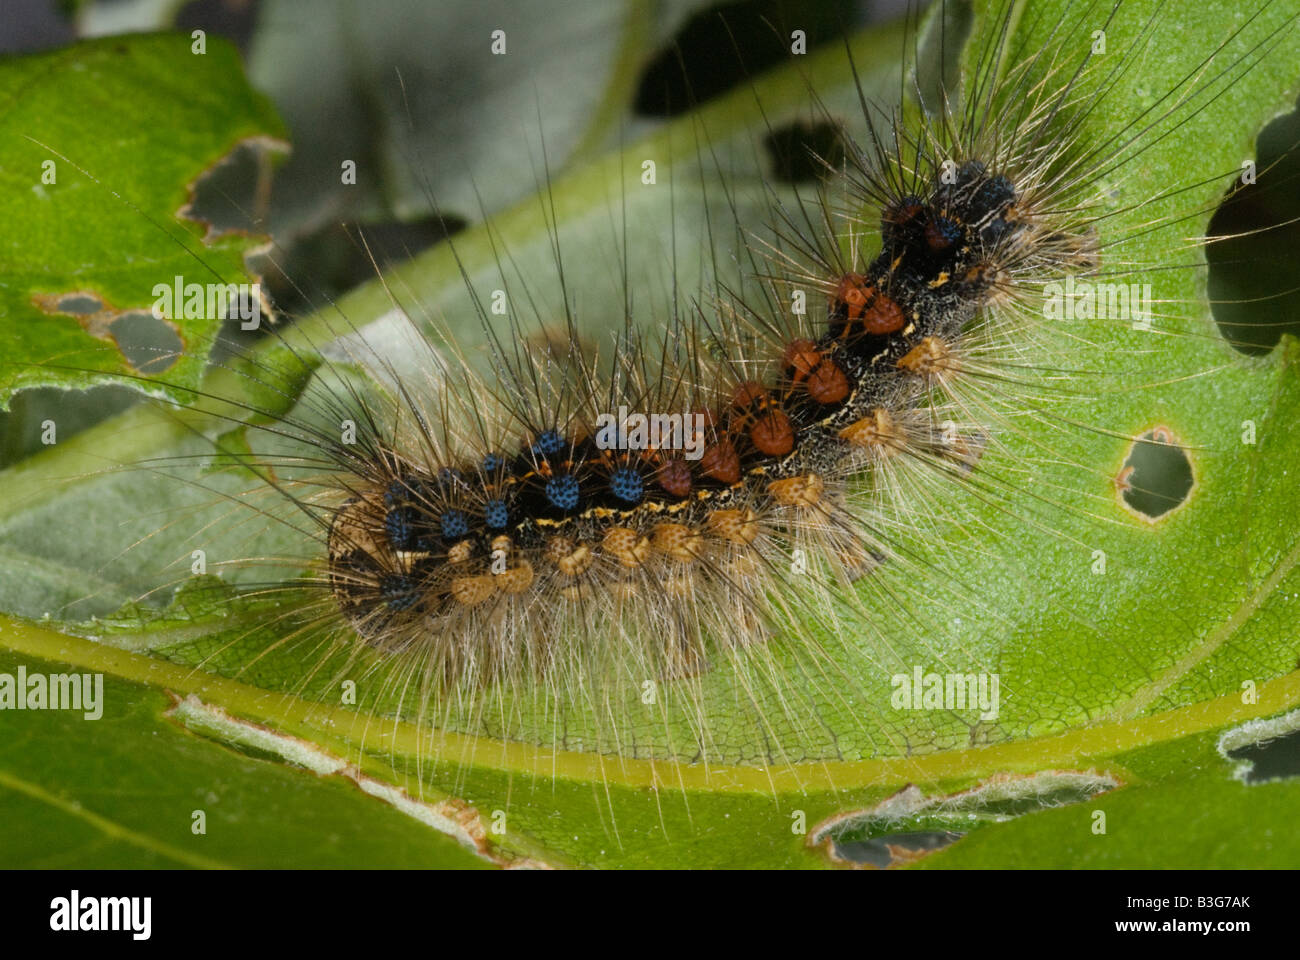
{"x": 90, "y": 206}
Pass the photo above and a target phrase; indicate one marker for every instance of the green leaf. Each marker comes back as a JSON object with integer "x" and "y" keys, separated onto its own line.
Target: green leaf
{"x": 101, "y": 146}
{"x": 1131, "y": 674}
{"x": 1181, "y": 808}
{"x": 122, "y": 790}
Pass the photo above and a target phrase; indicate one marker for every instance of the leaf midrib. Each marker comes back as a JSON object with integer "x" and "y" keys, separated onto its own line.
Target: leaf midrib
{"x": 332, "y": 726}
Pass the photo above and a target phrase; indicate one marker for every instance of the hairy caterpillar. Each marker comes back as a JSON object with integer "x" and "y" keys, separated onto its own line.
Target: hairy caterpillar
{"x": 483, "y": 562}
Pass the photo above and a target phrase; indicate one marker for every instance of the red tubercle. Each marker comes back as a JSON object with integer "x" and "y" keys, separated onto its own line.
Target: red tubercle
{"x": 749, "y": 395}
{"x": 862, "y": 301}
{"x": 721, "y": 462}
{"x": 827, "y": 383}
{"x": 772, "y": 433}
{"x": 884, "y": 315}
{"x": 800, "y": 358}
{"x": 675, "y": 477}
{"x": 854, "y": 292}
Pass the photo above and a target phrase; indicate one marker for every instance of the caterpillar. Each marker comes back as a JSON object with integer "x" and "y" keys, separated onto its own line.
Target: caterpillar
{"x": 716, "y": 530}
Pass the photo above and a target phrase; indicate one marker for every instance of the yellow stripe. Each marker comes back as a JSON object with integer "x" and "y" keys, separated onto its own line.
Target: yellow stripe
{"x": 342, "y": 729}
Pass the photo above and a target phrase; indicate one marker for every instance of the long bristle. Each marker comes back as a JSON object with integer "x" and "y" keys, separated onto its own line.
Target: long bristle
{"x": 481, "y": 561}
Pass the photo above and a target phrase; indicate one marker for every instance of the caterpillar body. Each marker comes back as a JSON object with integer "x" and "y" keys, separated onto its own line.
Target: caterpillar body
{"x": 429, "y": 542}
{"x": 537, "y": 572}
{"x": 717, "y": 531}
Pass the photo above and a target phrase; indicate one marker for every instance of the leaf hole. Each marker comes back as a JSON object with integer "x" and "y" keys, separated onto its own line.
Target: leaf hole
{"x": 233, "y": 195}
{"x": 802, "y": 152}
{"x": 1156, "y": 476}
{"x": 149, "y": 344}
{"x": 1254, "y": 271}
{"x": 1264, "y": 750}
{"x": 909, "y": 826}
{"x": 894, "y": 849}
{"x": 79, "y": 304}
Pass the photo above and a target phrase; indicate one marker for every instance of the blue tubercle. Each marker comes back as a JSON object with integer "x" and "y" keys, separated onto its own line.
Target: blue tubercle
{"x": 548, "y": 442}
{"x": 563, "y": 492}
{"x": 495, "y": 514}
{"x": 454, "y": 524}
{"x": 400, "y": 528}
{"x": 626, "y": 484}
